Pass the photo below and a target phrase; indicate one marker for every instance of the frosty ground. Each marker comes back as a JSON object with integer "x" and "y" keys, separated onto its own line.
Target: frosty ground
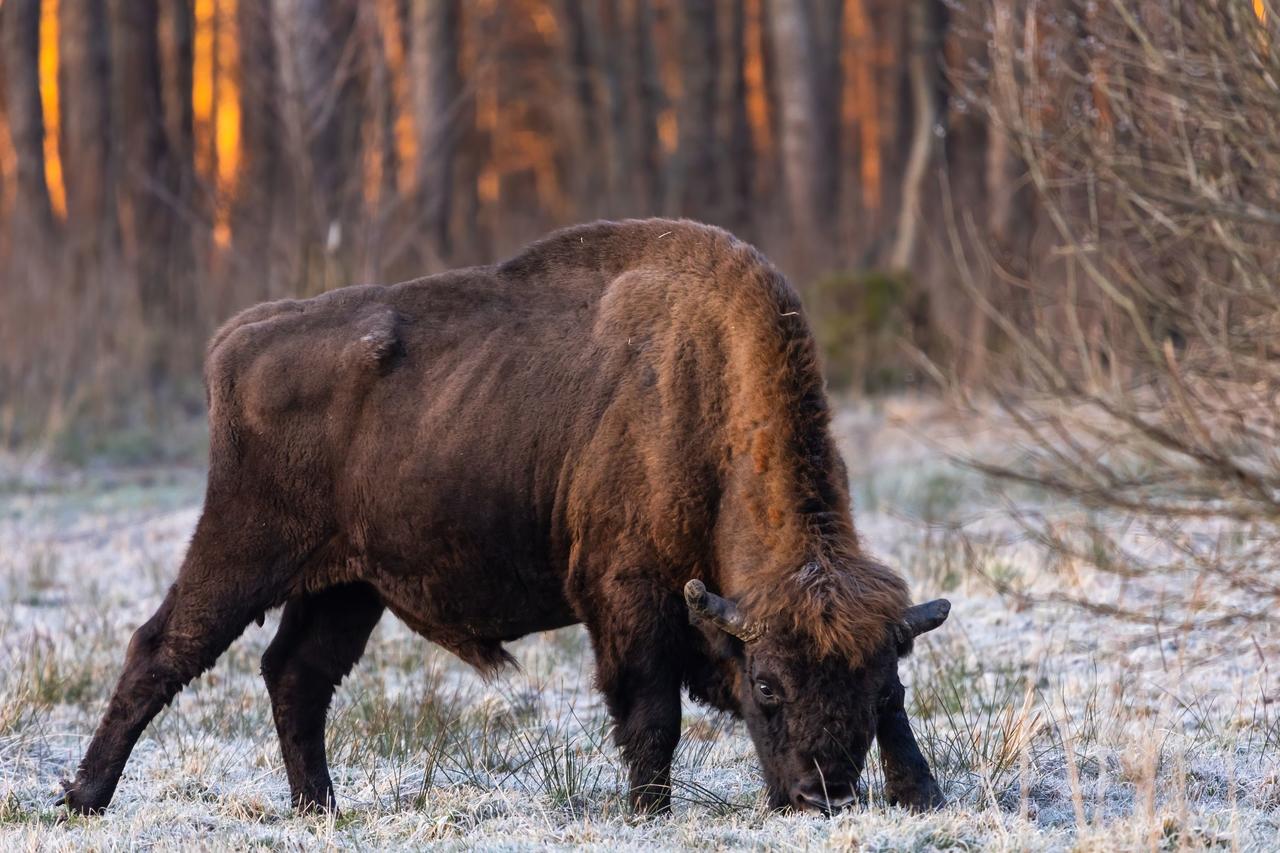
{"x": 1048, "y": 727}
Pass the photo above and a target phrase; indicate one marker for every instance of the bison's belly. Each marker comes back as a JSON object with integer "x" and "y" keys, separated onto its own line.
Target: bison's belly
{"x": 446, "y": 565}
{"x": 484, "y": 602}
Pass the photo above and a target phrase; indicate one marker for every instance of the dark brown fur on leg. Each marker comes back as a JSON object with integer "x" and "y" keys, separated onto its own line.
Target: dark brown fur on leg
{"x": 204, "y": 611}
{"x": 320, "y": 639}
{"x": 908, "y": 781}
{"x": 640, "y": 677}
{"x": 648, "y": 738}
{"x": 146, "y": 685}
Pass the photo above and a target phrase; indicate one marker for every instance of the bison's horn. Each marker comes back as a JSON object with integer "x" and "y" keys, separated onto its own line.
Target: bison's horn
{"x": 922, "y": 618}
{"x": 721, "y": 612}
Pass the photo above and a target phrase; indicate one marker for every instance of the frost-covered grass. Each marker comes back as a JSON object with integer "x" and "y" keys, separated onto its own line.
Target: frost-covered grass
{"x": 1049, "y": 728}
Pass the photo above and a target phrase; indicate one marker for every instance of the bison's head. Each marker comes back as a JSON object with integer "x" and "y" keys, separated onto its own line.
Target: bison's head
{"x": 813, "y": 718}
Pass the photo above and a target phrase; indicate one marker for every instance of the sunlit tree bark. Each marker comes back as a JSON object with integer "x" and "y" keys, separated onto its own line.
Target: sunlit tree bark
{"x": 737, "y": 143}
{"x": 699, "y": 50}
{"x": 265, "y": 203}
{"x": 20, "y": 22}
{"x": 188, "y": 211}
{"x": 437, "y": 100}
{"x": 6, "y": 169}
{"x": 827, "y": 17}
{"x": 149, "y": 194}
{"x": 177, "y": 22}
{"x": 648, "y": 100}
{"x": 800, "y": 140}
{"x": 608, "y": 43}
{"x": 84, "y": 82}
{"x": 321, "y": 104}
{"x": 580, "y": 108}
{"x": 377, "y": 148}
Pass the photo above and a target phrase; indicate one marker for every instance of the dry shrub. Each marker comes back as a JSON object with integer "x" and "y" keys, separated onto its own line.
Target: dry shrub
{"x": 1147, "y": 372}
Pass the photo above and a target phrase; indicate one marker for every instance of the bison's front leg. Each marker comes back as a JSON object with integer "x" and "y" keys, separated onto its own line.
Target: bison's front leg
{"x": 320, "y": 638}
{"x": 648, "y": 735}
{"x": 638, "y": 672}
{"x": 908, "y": 781}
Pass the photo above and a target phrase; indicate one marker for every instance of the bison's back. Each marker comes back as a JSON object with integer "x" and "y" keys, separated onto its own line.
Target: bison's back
{"x": 555, "y": 335}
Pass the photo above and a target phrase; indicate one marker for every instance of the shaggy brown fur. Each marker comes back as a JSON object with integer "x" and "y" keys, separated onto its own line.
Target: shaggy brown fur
{"x": 570, "y": 436}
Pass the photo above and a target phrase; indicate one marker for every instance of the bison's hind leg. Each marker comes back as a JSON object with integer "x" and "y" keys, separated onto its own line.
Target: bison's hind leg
{"x": 321, "y": 637}
{"x": 227, "y": 580}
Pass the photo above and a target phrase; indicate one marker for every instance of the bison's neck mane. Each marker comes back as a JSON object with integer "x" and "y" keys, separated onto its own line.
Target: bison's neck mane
{"x": 800, "y": 568}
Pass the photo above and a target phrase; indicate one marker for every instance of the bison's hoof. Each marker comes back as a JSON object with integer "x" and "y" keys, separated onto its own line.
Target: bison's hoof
{"x": 316, "y": 802}
{"x": 650, "y": 801}
{"x": 921, "y": 797}
{"x": 77, "y": 799}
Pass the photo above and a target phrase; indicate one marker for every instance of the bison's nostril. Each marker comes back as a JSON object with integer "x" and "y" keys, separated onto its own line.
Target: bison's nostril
{"x": 823, "y": 800}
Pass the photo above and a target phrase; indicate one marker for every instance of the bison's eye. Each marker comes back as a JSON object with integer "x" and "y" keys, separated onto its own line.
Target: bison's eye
{"x": 766, "y": 693}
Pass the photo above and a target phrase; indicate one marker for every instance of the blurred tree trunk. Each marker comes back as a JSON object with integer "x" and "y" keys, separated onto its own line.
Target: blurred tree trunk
{"x": 696, "y": 174}
{"x": 265, "y": 199}
{"x": 760, "y": 77}
{"x": 436, "y": 92}
{"x": 186, "y": 205}
{"x": 473, "y": 234}
{"x": 331, "y": 68}
{"x": 737, "y": 128}
{"x": 648, "y": 99}
{"x": 625, "y": 109}
{"x": 321, "y": 105}
{"x": 924, "y": 79}
{"x": 84, "y": 83}
{"x": 378, "y": 146}
{"x": 606, "y": 25}
{"x": 582, "y": 154}
{"x": 177, "y": 41}
{"x": 600, "y": 70}
{"x": 6, "y": 183}
{"x": 799, "y": 137}
{"x": 20, "y": 22}
{"x": 302, "y": 227}
{"x": 888, "y": 46}
{"x": 1010, "y": 203}
{"x": 148, "y": 182}
{"x": 828, "y": 18}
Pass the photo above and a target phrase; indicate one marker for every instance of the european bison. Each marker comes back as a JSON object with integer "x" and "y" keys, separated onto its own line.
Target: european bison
{"x": 623, "y": 426}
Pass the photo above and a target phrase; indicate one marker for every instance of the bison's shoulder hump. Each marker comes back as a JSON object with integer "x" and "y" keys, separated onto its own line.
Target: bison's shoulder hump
{"x": 611, "y": 247}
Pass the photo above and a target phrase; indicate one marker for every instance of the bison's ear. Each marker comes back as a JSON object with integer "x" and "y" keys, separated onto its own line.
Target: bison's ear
{"x": 920, "y": 619}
